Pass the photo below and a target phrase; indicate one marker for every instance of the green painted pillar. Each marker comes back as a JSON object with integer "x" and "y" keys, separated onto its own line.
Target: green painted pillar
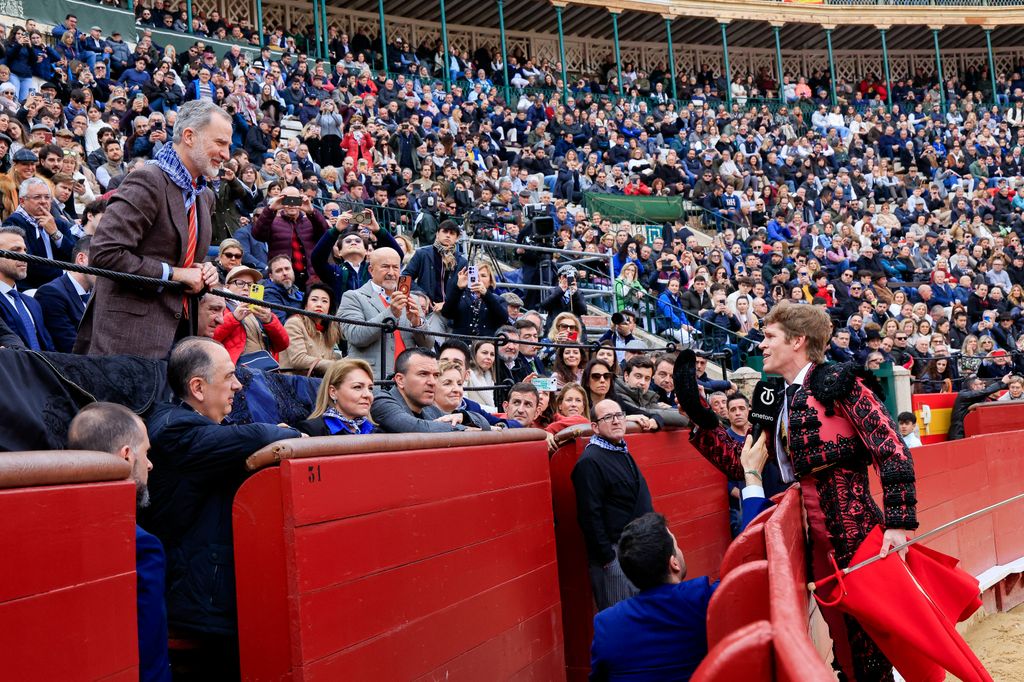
{"x": 885, "y": 67}
{"x": 671, "y": 56}
{"x": 938, "y": 70}
{"x": 504, "y": 51}
{"x": 728, "y": 71}
{"x": 316, "y": 31}
{"x": 618, "y": 53}
{"x": 383, "y": 35}
{"x": 831, "y": 67}
{"x": 776, "y": 30}
{"x": 131, "y": 6}
{"x": 444, "y": 41}
{"x": 188, "y": 14}
{"x": 991, "y": 62}
{"x": 561, "y": 54}
{"x": 259, "y": 20}
{"x": 323, "y": 26}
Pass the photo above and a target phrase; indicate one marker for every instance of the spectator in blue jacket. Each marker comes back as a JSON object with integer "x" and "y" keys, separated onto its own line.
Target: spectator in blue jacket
{"x": 198, "y": 465}
{"x": 661, "y": 633}
{"x": 106, "y": 427}
{"x": 672, "y": 319}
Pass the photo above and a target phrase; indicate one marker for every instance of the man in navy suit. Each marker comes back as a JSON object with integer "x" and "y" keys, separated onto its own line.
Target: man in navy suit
{"x": 19, "y": 312}
{"x": 64, "y": 299}
{"x": 661, "y": 633}
{"x": 106, "y": 427}
{"x": 44, "y": 236}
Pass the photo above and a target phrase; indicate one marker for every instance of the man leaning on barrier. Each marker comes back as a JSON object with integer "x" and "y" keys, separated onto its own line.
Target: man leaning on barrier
{"x": 409, "y": 406}
{"x": 198, "y": 465}
{"x": 158, "y": 225}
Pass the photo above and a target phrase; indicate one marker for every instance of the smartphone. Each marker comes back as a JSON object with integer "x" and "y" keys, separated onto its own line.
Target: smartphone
{"x": 545, "y": 383}
{"x": 255, "y": 291}
{"x": 291, "y": 201}
{"x": 573, "y": 336}
{"x": 335, "y": 212}
{"x": 474, "y": 275}
{"x": 405, "y": 284}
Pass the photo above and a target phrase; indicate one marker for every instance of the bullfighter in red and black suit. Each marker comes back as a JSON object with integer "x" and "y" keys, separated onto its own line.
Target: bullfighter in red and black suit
{"x": 831, "y": 428}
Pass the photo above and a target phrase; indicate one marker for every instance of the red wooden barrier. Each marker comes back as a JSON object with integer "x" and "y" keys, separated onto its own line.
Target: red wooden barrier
{"x": 67, "y": 577}
{"x": 685, "y": 488}
{"x": 994, "y": 417}
{"x": 422, "y": 564}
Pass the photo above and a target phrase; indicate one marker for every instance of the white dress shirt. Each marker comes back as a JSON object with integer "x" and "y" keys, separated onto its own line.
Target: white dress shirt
{"x": 785, "y": 464}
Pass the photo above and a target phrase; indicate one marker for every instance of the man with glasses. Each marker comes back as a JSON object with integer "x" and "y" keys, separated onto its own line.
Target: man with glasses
{"x": 44, "y": 237}
{"x": 610, "y": 492}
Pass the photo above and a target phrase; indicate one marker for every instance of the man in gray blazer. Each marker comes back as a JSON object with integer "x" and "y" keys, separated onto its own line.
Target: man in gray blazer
{"x": 158, "y": 225}
{"x": 409, "y": 406}
{"x": 378, "y": 301}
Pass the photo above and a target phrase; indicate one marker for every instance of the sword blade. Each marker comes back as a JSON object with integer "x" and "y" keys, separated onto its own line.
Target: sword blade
{"x": 935, "y": 531}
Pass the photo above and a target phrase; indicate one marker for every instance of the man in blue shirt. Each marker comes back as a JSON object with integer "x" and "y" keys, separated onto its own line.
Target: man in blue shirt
{"x": 661, "y": 633}
{"x": 106, "y": 427}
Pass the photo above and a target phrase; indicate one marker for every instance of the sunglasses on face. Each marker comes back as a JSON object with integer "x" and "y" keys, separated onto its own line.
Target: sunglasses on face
{"x": 601, "y": 376}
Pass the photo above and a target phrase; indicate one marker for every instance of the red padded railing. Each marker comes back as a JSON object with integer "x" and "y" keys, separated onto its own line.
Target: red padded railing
{"x": 994, "y": 417}
{"x": 67, "y": 573}
{"x": 685, "y": 488}
{"x": 430, "y": 563}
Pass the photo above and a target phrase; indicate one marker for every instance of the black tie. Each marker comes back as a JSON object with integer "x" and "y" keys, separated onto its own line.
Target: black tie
{"x": 790, "y": 392}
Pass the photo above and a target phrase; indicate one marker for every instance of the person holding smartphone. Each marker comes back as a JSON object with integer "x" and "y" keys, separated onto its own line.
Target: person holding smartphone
{"x": 339, "y": 259}
{"x": 564, "y": 298}
{"x": 292, "y": 226}
{"x": 471, "y": 304}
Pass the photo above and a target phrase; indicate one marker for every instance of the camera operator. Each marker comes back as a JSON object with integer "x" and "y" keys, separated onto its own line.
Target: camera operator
{"x": 564, "y": 298}
{"x": 531, "y": 260}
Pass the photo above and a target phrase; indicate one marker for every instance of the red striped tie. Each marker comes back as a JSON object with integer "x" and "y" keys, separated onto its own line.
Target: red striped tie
{"x": 190, "y": 247}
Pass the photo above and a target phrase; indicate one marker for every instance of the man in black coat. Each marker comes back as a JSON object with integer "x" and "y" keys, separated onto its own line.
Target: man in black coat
{"x": 564, "y": 298}
{"x": 975, "y": 391}
{"x": 198, "y": 465}
{"x": 432, "y": 266}
{"x": 610, "y": 492}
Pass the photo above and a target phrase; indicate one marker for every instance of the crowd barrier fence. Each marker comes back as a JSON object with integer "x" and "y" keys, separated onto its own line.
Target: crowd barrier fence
{"x": 448, "y": 555}
{"x": 994, "y": 417}
{"x": 67, "y": 579}
{"x": 415, "y": 556}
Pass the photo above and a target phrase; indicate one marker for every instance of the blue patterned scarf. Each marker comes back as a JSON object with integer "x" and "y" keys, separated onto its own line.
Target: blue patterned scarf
{"x": 339, "y": 423}
{"x": 608, "y": 445}
{"x": 169, "y": 162}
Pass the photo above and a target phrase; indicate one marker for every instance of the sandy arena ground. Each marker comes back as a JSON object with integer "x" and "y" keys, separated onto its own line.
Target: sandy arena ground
{"x": 998, "y": 641}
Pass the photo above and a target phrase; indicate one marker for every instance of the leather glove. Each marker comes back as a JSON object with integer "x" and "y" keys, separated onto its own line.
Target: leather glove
{"x": 684, "y": 377}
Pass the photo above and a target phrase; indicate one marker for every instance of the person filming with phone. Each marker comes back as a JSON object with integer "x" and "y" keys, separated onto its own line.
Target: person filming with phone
{"x": 340, "y": 258}
{"x": 385, "y": 297}
{"x": 471, "y": 304}
{"x": 564, "y": 298}
{"x": 291, "y": 226}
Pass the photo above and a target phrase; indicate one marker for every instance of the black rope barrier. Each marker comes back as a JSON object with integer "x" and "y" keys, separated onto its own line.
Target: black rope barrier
{"x": 388, "y": 327}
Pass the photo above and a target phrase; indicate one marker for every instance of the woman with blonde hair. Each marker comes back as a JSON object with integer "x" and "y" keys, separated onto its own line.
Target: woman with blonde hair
{"x": 571, "y": 407}
{"x": 481, "y": 373}
{"x": 450, "y": 398}
{"x": 343, "y": 402}
{"x": 311, "y": 350}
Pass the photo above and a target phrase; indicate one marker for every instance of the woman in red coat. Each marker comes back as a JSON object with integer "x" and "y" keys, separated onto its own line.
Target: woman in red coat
{"x": 357, "y": 143}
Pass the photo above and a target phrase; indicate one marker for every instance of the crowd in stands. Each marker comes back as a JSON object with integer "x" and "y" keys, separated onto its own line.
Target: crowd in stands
{"x": 350, "y": 188}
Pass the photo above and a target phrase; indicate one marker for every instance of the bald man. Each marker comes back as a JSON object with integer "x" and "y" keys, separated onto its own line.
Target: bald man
{"x": 379, "y": 301}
